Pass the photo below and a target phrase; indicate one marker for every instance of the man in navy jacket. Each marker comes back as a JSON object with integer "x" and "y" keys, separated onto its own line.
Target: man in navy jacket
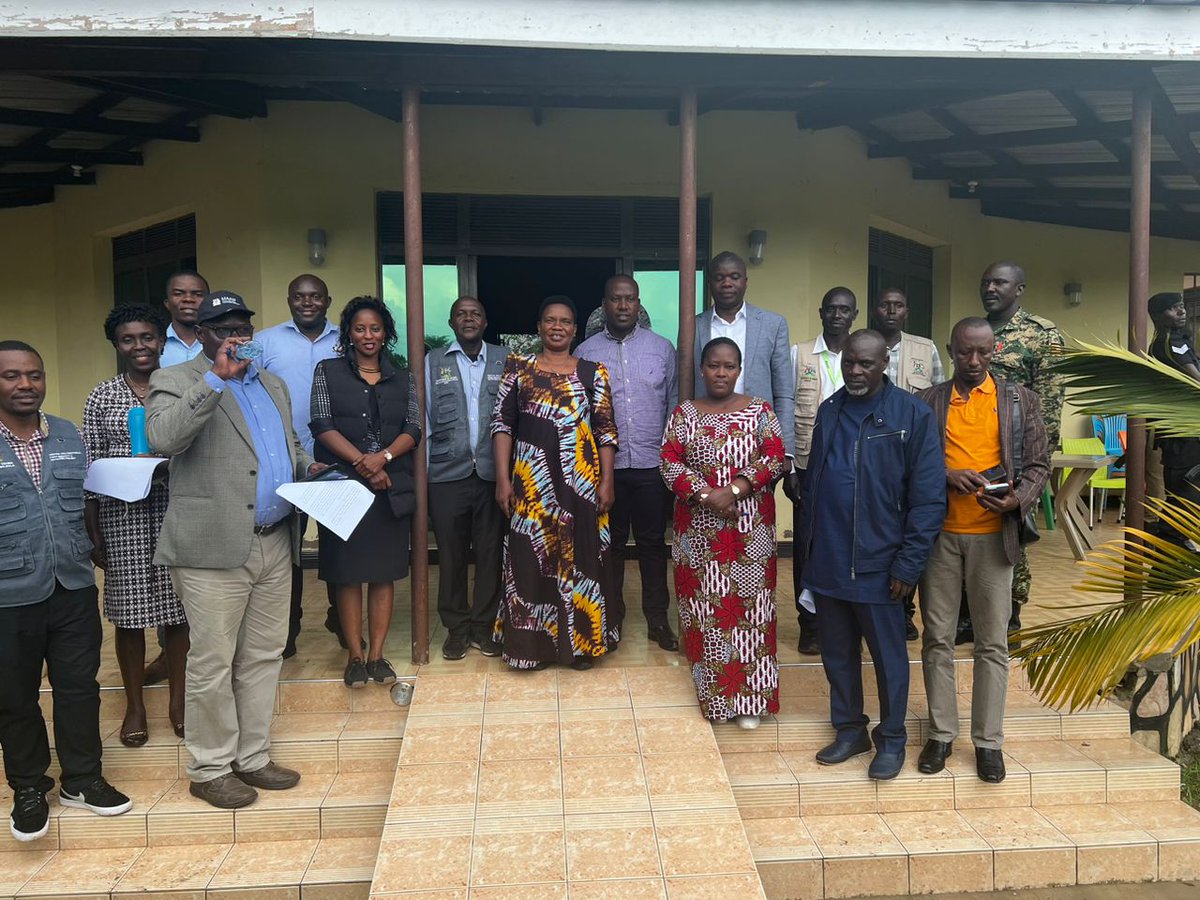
{"x": 873, "y": 503}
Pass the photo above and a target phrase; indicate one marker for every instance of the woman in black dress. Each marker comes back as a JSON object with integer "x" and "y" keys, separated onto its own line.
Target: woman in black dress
{"x": 365, "y": 416}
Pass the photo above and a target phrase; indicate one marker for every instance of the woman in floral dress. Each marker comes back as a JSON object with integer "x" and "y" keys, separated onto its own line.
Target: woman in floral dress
{"x": 721, "y": 456}
{"x": 556, "y": 440}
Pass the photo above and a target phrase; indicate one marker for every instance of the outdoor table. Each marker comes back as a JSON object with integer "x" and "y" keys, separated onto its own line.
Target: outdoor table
{"x": 1069, "y": 506}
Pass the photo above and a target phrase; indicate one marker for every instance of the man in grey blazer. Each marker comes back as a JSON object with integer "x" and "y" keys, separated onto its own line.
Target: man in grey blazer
{"x": 762, "y": 337}
{"x": 230, "y": 541}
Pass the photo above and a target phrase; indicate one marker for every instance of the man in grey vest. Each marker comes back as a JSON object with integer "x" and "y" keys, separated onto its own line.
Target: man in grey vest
{"x": 460, "y": 390}
{"x": 48, "y": 610}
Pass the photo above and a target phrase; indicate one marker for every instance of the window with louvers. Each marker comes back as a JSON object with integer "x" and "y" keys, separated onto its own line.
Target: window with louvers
{"x": 897, "y": 262}
{"x": 143, "y": 260}
{"x": 493, "y": 225}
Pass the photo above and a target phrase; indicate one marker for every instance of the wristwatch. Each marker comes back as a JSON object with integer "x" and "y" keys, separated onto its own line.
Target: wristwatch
{"x": 387, "y": 454}
{"x": 737, "y": 492}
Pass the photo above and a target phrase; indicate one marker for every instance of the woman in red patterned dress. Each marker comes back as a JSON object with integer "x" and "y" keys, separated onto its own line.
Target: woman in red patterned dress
{"x": 721, "y": 456}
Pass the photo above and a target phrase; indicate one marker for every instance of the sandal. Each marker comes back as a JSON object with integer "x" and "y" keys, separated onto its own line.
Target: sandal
{"x": 133, "y": 738}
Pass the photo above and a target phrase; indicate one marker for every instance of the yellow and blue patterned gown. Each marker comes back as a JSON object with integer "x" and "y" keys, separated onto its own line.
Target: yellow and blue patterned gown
{"x": 556, "y": 555}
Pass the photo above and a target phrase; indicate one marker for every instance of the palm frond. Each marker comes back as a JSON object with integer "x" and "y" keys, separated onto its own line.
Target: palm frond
{"x": 1075, "y": 662}
{"x": 1107, "y": 379}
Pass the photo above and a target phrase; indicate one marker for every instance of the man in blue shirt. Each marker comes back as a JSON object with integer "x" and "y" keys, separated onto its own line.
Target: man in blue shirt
{"x": 292, "y": 350}
{"x": 643, "y": 367}
{"x": 185, "y": 291}
{"x": 873, "y": 502}
{"x": 461, "y": 381}
{"x": 229, "y": 540}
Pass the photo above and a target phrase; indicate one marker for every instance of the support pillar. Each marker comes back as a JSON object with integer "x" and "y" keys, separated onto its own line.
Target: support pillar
{"x": 687, "y": 243}
{"x": 1139, "y": 293}
{"x": 414, "y": 288}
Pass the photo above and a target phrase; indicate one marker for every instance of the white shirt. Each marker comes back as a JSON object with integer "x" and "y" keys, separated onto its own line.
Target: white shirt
{"x": 830, "y": 369}
{"x": 736, "y": 332}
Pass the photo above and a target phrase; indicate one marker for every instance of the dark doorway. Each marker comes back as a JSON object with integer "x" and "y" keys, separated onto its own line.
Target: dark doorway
{"x": 511, "y": 287}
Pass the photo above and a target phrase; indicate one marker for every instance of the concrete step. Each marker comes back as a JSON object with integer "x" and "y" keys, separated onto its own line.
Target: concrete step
{"x": 1040, "y": 773}
{"x": 896, "y": 853}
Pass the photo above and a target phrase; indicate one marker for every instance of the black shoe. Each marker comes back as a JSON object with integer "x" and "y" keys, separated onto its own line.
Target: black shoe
{"x": 663, "y": 636}
{"x": 356, "y": 673}
{"x": 1014, "y": 620}
{"x": 289, "y": 649}
{"x": 990, "y": 765}
{"x": 30, "y": 814}
{"x": 99, "y": 797}
{"x": 840, "y": 751}
{"x": 809, "y": 645}
{"x": 581, "y": 663}
{"x": 933, "y": 757}
{"x": 380, "y": 671}
{"x": 334, "y": 626}
{"x": 455, "y": 646}
{"x": 886, "y": 766}
{"x": 484, "y": 645}
{"x": 965, "y": 633}
{"x": 910, "y": 630}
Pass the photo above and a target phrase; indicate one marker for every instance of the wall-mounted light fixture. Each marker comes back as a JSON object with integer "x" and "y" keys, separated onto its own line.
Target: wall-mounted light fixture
{"x": 316, "y": 246}
{"x": 1073, "y": 291}
{"x": 757, "y": 240}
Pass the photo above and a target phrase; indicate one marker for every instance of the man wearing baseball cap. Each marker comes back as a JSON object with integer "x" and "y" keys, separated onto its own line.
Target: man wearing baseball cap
{"x": 230, "y": 541}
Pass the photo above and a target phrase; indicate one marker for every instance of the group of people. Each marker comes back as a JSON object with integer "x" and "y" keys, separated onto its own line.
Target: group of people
{"x": 540, "y": 466}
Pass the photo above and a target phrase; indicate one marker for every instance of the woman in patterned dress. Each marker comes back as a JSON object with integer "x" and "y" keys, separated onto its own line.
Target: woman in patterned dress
{"x": 721, "y": 456}
{"x": 137, "y": 594}
{"x": 556, "y": 442}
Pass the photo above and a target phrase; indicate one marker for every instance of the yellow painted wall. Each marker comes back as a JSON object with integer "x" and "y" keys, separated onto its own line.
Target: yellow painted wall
{"x": 256, "y": 187}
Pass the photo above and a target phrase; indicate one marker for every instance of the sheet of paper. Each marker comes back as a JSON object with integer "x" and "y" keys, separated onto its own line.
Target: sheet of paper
{"x": 808, "y": 601}
{"x": 338, "y": 505}
{"x": 125, "y": 477}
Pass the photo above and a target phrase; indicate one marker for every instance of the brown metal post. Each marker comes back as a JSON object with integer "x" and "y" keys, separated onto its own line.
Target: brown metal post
{"x": 687, "y": 243}
{"x": 1139, "y": 293}
{"x": 414, "y": 290}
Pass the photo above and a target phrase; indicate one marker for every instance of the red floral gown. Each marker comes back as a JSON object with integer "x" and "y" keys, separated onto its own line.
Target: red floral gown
{"x": 725, "y": 569}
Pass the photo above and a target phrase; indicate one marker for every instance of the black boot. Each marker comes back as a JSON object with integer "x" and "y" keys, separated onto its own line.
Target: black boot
{"x": 1014, "y": 620}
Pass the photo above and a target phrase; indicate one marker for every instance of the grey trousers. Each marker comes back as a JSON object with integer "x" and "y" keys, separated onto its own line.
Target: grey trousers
{"x": 239, "y": 624}
{"x": 979, "y": 561}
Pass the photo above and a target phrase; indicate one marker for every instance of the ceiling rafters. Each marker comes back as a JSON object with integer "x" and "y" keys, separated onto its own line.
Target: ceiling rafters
{"x": 239, "y": 101}
{"x": 97, "y": 125}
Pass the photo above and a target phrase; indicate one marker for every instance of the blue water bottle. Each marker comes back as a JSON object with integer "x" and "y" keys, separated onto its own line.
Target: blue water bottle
{"x": 138, "y": 444}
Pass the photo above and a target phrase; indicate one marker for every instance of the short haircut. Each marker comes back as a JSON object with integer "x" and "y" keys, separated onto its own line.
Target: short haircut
{"x": 839, "y": 292}
{"x": 969, "y": 322}
{"x": 1018, "y": 270}
{"x": 187, "y": 273}
{"x": 308, "y": 276}
{"x": 891, "y": 290}
{"x": 725, "y": 256}
{"x": 717, "y": 343}
{"x": 558, "y": 300}
{"x": 611, "y": 279}
{"x": 867, "y": 334}
{"x": 467, "y": 298}
{"x": 20, "y": 347}
{"x": 1162, "y": 302}
{"x": 353, "y": 308}
{"x": 132, "y": 312}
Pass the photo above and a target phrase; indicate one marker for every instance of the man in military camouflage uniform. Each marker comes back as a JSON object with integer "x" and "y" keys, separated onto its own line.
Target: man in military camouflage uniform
{"x": 1026, "y": 346}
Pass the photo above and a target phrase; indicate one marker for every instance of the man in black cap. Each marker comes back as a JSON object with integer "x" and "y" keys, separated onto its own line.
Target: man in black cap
{"x": 1174, "y": 345}
{"x": 230, "y": 541}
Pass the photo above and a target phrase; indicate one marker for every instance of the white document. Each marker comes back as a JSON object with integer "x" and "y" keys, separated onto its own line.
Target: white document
{"x": 808, "y": 601}
{"x": 338, "y": 505}
{"x": 126, "y": 478}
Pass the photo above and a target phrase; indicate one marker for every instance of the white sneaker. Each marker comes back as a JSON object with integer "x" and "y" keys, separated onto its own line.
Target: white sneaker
{"x": 747, "y": 722}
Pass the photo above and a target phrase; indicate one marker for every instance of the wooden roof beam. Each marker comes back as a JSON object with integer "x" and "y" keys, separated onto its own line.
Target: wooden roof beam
{"x": 26, "y": 197}
{"x": 1158, "y": 194}
{"x": 239, "y": 101}
{"x": 97, "y": 125}
{"x": 963, "y": 174}
{"x": 1161, "y": 224}
{"x": 44, "y": 179}
{"x": 70, "y": 157}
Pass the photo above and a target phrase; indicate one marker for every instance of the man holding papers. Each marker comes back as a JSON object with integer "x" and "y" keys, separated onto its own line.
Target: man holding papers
{"x": 230, "y": 541}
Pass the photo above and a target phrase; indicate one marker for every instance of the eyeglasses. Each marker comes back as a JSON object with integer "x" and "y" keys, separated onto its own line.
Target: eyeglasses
{"x": 232, "y": 331}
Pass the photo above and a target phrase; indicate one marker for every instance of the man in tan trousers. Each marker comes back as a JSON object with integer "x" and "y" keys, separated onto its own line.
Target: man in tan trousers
{"x": 994, "y": 440}
{"x": 230, "y": 541}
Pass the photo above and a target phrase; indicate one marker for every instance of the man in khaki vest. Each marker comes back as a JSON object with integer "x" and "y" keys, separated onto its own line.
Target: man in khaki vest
{"x": 913, "y": 361}
{"x": 818, "y": 365}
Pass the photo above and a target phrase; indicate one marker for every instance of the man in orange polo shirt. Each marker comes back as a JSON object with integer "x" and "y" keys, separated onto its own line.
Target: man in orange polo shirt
{"x": 997, "y": 462}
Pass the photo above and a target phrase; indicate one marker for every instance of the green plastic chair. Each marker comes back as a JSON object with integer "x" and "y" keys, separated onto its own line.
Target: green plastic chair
{"x": 1100, "y": 481}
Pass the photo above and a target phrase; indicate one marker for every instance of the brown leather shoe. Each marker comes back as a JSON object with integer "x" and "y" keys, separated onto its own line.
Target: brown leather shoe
{"x": 271, "y": 777}
{"x": 224, "y": 792}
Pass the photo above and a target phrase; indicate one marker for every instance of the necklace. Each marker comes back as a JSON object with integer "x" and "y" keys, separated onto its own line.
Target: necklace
{"x": 365, "y": 369}
{"x": 139, "y": 393}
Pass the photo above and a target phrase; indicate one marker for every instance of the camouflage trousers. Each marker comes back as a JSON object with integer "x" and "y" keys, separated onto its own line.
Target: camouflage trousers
{"x": 1022, "y": 579}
